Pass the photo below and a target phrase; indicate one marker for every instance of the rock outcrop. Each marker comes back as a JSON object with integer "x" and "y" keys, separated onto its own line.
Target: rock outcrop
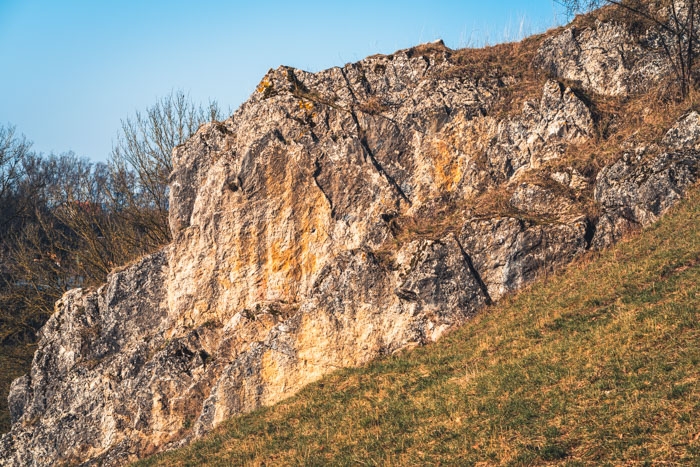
{"x": 638, "y": 188}
{"x": 605, "y": 58}
{"x": 337, "y": 217}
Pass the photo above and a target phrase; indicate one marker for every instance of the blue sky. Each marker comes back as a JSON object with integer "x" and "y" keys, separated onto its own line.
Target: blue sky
{"x": 72, "y": 70}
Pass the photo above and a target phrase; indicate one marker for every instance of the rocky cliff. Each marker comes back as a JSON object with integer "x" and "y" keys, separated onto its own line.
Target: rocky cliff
{"x": 344, "y": 215}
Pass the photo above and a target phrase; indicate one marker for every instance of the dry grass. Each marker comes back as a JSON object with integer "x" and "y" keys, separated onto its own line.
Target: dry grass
{"x": 511, "y": 62}
{"x": 624, "y": 123}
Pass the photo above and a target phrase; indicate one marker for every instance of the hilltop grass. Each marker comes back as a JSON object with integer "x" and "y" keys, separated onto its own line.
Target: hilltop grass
{"x": 598, "y": 366}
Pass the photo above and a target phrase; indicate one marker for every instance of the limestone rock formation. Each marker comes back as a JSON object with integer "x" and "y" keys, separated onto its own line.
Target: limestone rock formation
{"x": 634, "y": 193}
{"x": 605, "y": 58}
{"x": 337, "y": 217}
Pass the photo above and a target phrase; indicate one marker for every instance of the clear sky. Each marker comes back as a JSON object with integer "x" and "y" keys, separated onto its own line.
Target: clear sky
{"x": 71, "y": 70}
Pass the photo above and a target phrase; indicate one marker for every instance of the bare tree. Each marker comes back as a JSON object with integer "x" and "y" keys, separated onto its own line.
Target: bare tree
{"x": 65, "y": 232}
{"x": 677, "y": 21}
{"x": 12, "y": 149}
{"x": 67, "y": 222}
{"x": 145, "y": 146}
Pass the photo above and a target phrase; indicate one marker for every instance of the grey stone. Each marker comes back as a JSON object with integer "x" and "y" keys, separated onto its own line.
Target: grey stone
{"x": 604, "y": 58}
{"x": 634, "y": 191}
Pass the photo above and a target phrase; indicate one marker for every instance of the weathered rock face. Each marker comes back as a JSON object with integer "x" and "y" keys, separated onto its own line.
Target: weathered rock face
{"x": 333, "y": 219}
{"x": 93, "y": 358}
{"x": 638, "y": 188}
{"x": 605, "y": 58}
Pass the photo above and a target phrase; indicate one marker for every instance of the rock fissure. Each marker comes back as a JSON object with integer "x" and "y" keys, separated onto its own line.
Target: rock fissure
{"x": 316, "y": 173}
{"x": 474, "y": 272}
{"x": 382, "y": 171}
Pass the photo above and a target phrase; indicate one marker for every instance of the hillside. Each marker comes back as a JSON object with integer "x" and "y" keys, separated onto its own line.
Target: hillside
{"x": 356, "y": 213}
{"x": 597, "y": 366}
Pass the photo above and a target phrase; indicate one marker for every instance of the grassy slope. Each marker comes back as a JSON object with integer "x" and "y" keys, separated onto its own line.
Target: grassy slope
{"x": 598, "y": 365}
